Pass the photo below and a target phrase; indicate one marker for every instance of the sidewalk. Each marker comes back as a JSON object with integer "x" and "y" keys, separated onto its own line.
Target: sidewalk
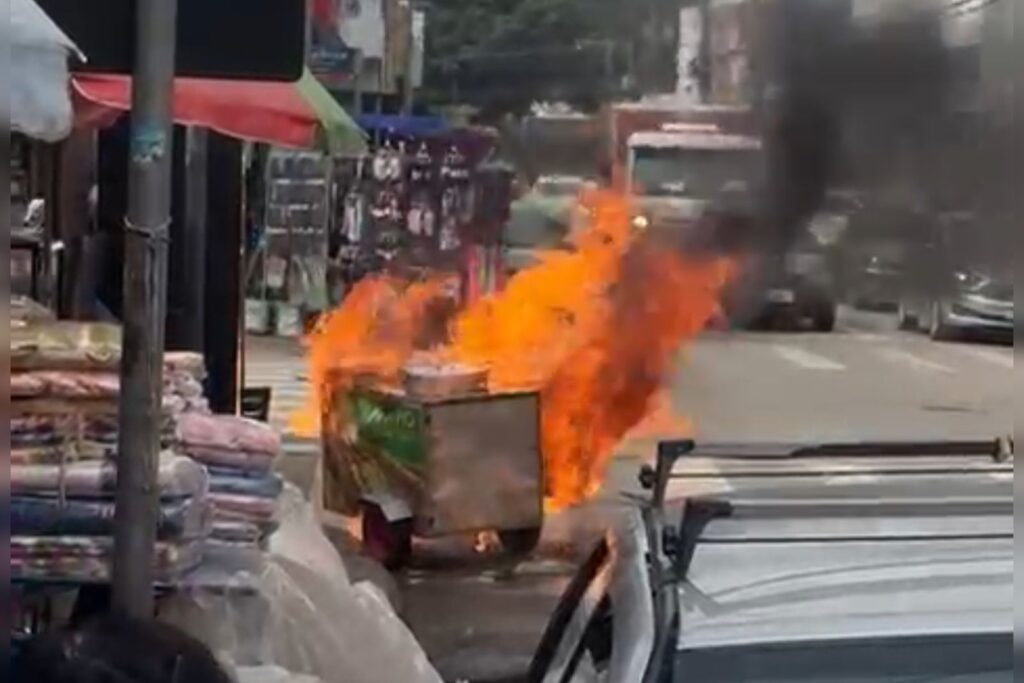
{"x": 279, "y": 363}
{"x": 478, "y": 616}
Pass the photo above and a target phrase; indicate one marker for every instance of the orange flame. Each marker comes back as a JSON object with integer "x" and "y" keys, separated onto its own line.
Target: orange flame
{"x": 372, "y": 333}
{"x": 596, "y": 329}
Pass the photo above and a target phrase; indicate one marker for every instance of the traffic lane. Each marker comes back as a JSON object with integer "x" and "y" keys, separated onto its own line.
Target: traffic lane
{"x": 851, "y": 319}
{"x": 480, "y": 619}
{"x": 481, "y": 627}
{"x": 849, "y": 385}
{"x": 862, "y": 479}
{"x": 479, "y": 615}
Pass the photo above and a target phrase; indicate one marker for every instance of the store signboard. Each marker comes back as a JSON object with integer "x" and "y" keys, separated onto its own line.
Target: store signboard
{"x": 331, "y": 59}
{"x": 251, "y": 40}
{"x": 332, "y": 64}
{"x": 361, "y": 25}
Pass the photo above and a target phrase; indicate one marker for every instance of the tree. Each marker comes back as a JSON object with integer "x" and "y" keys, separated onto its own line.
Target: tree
{"x": 503, "y": 55}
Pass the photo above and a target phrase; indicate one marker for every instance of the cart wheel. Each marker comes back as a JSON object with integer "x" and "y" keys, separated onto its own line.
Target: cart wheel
{"x": 520, "y": 541}
{"x": 390, "y": 543}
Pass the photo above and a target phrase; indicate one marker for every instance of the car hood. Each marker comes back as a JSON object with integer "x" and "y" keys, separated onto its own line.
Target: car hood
{"x": 555, "y": 208}
{"x": 520, "y": 258}
{"x": 994, "y": 282}
{"x": 671, "y": 209}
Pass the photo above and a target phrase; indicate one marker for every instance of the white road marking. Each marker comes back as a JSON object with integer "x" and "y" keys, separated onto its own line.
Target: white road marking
{"x": 300, "y": 446}
{"x": 1001, "y": 359}
{"x": 806, "y": 359}
{"x": 914, "y": 361}
{"x": 682, "y": 486}
{"x": 280, "y": 376}
{"x": 868, "y": 336}
{"x": 286, "y": 391}
{"x": 839, "y": 477}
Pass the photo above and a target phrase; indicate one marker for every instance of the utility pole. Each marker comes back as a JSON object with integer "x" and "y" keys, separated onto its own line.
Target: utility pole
{"x": 705, "y": 77}
{"x": 413, "y": 66}
{"x": 357, "y": 68}
{"x": 408, "y": 87}
{"x": 145, "y": 294}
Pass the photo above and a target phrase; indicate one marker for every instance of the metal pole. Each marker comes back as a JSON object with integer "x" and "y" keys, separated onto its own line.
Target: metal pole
{"x": 357, "y": 97}
{"x": 408, "y": 89}
{"x": 145, "y": 293}
{"x": 706, "y": 80}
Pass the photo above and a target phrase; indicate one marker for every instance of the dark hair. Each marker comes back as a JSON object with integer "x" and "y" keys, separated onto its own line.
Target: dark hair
{"x": 116, "y": 649}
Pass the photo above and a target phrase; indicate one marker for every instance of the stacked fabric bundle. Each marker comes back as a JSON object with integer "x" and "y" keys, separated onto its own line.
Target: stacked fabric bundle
{"x": 184, "y": 373}
{"x": 65, "y": 388}
{"x": 62, "y": 519}
{"x": 65, "y": 384}
{"x": 239, "y": 454}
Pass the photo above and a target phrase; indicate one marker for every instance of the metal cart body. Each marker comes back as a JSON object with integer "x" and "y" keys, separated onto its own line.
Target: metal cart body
{"x": 434, "y": 467}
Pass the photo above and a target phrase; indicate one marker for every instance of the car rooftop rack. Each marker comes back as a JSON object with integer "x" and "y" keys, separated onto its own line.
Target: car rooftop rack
{"x": 999, "y": 449}
{"x": 681, "y": 544}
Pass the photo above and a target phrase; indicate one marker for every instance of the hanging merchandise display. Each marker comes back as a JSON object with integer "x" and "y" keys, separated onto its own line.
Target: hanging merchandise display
{"x": 289, "y": 272}
{"x": 411, "y": 205}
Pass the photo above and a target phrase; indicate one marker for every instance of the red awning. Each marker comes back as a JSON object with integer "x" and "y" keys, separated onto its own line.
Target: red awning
{"x": 271, "y": 112}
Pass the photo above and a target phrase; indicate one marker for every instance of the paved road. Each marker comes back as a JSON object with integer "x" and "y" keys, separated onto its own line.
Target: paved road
{"x": 866, "y": 381}
{"x": 480, "y": 617}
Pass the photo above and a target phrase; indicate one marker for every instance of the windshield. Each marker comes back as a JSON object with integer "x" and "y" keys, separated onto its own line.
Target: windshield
{"x": 531, "y": 227}
{"x": 679, "y": 172}
{"x": 559, "y": 187}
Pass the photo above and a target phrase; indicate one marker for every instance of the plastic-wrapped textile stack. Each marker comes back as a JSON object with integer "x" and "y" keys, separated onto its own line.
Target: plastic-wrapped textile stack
{"x": 64, "y": 401}
{"x": 65, "y": 385}
{"x": 62, "y": 518}
{"x": 25, "y": 311}
{"x": 184, "y": 373}
{"x": 239, "y": 454}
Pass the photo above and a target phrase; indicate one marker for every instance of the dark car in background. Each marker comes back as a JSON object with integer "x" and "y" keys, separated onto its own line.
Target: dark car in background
{"x": 792, "y": 288}
{"x": 874, "y": 274}
{"x": 959, "y": 281}
{"x": 874, "y": 251}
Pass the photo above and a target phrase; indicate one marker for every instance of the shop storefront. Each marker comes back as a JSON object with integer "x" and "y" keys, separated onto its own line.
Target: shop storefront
{"x": 423, "y": 198}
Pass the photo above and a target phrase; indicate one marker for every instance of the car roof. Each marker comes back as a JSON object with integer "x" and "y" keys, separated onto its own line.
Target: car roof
{"x": 560, "y": 179}
{"x": 693, "y": 140}
{"x": 844, "y": 548}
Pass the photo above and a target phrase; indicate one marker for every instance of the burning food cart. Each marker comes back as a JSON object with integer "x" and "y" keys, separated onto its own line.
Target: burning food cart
{"x": 431, "y": 454}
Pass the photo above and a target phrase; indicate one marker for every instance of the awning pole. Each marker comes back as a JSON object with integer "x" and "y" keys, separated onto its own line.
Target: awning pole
{"x": 145, "y": 294}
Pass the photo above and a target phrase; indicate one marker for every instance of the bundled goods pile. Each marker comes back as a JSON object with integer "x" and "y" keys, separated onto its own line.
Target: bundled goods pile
{"x": 239, "y": 454}
{"x": 64, "y": 401}
{"x": 184, "y": 373}
{"x": 65, "y": 386}
{"x": 25, "y": 311}
{"x": 62, "y": 519}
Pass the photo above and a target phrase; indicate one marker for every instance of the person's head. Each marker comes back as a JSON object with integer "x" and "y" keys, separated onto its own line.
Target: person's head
{"x": 114, "y": 649}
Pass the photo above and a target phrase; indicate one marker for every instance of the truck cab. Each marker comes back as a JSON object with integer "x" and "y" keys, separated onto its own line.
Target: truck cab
{"x": 674, "y": 173}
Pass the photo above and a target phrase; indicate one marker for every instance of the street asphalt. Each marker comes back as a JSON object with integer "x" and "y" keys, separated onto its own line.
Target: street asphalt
{"x": 479, "y": 616}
